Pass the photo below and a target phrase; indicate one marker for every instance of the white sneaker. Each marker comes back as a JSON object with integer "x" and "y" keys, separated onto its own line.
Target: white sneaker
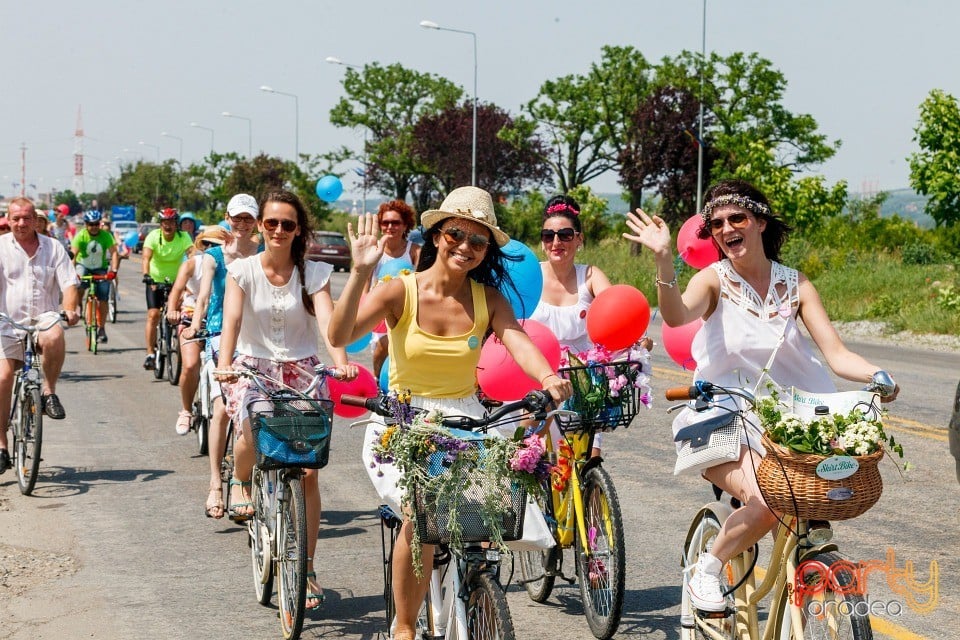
{"x": 704, "y": 588}
{"x": 183, "y": 422}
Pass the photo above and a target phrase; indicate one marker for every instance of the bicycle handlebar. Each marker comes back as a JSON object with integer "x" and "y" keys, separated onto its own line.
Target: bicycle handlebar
{"x": 881, "y": 383}
{"x": 5, "y": 318}
{"x": 321, "y": 371}
{"x": 535, "y": 402}
{"x": 110, "y": 275}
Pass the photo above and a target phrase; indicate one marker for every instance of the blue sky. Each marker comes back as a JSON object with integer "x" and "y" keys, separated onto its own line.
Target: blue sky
{"x": 140, "y": 68}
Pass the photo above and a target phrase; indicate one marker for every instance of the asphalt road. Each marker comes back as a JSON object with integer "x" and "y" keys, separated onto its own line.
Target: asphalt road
{"x": 114, "y": 544}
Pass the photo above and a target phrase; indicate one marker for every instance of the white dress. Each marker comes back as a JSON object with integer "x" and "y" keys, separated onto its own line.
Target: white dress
{"x": 569, "y": 322}
{"x": 736, "y": 341}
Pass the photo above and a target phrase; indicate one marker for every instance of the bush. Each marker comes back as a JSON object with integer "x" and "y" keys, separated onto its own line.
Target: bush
{"x": 920, "y": 252}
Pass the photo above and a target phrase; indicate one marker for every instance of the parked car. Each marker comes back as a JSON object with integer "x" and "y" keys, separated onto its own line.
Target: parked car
{"x": 330, "y": 247}
{"x": 122, "y": 228}
{"x": 145, "y": 228}
{"x": 954, "y": 430}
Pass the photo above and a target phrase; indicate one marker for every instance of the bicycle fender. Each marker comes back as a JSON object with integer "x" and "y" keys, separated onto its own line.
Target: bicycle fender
{"x": 721, "y": 510}
{"x": 813, "y": 552}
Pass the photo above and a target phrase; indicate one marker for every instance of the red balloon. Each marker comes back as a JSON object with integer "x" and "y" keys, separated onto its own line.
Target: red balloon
{"x": 677, "y": 342}
{"x": 618, "y": 317}
{"x": 363, "y": 385}
{"x": 499, "y": 375}
{"x": 696, "y": 252}
{"x": 381, "y": 328}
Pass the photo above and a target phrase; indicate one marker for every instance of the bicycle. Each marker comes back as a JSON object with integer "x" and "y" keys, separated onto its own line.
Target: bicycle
{"x": 26, "y": 406}
{"x": 466, "y": 599}
{"x": 291, "y": 431}
{"x": 583, "y": 509}
{"x": 806, "y": 605}
{"x": 165, "y": 331}
{"x": 92, "y": 322}
{"x": 202, "y": 408}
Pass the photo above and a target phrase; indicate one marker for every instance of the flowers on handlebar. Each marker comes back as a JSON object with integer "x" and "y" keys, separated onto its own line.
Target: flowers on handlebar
{"x": 608, "y": 387}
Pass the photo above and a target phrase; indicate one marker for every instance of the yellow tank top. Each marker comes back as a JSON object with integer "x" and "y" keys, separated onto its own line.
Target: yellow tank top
{"x": 436, "y": 366}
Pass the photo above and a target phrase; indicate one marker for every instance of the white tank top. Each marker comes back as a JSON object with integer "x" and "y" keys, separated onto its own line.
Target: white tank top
{"x": 569, "y": 322}
{"x": 384, "y": 259}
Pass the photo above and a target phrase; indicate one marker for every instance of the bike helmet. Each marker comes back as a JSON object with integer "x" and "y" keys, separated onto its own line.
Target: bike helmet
{"x": 167, "y": 214}
{"x": 92, "y": 216}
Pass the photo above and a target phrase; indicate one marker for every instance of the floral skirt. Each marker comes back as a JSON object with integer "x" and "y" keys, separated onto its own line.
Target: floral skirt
{"x": 297, "y": 374}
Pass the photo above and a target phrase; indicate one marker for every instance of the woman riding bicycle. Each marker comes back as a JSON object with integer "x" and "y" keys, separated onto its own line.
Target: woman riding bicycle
{"x": 749, "y": 304}
{"x": 437, "y": 319}
{"x": 241, "y": 242}
{"x": 275, "y": 304}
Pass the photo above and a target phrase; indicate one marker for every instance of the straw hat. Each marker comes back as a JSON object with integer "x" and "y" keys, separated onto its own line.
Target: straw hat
{"x": 469, "y": 203}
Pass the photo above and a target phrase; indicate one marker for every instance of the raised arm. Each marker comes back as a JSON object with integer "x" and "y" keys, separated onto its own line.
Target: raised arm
{"x": 348, "y": 322}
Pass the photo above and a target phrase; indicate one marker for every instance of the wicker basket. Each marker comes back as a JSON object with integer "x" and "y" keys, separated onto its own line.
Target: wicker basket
{"x": 432, "y": 514}
{"x": 790, "y": 485}
{"x": 291, "y": 433}
{"x": 596, "y": 407}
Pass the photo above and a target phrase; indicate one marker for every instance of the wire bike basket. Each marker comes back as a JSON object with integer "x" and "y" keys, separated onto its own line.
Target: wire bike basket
{"x": 605, "y": 395}
{"x": 482, "y": 497}
{"x": 291, "y": 432}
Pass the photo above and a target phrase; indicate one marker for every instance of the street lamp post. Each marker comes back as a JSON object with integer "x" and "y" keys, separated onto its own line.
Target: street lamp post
{"x": 336, "y": 60}
{"x": 180, "y": 165}
{"x": 427, "y": 24}
{"x": 296, "y": 107}
{"x": 703, "y": 56}
{"x": 200, "y": 126}
{"x": 227, "y": 114}
{"x": 156, "y": 148}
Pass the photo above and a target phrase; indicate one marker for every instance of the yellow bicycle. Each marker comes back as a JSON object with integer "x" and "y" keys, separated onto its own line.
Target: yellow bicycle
{"x": 582, "y": 507}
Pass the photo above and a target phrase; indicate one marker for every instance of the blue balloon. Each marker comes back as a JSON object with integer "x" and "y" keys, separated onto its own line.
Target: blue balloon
{"x": 329, "y": 188}
{"x": 385, "y": 375}
{"x": 359, "y": 344}
{"x": 394, "y": 268}
{"x": 527, "y": 278}
{"x": 131, "y": 239}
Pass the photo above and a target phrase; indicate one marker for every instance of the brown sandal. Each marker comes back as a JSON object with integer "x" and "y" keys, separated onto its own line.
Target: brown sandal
{"x": 214, "y": 507}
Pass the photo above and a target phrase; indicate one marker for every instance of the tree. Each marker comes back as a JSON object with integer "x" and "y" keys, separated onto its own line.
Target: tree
{"x": 934, "y": 169}
{"x": 147, "y": 186}
{"x": 389, "y": 101}
{"x": 661, "y": 152}
{"x": 510, "y": 156}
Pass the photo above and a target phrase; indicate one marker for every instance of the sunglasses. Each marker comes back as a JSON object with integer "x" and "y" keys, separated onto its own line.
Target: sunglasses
{"x": 271, "y": 224}
{"x": 391, "y": 223}
{"x": 736, "y": 220}
{"x": 456, "y": 236}
{"x": 206, "y": 244}
{"x": 566, "y": 234}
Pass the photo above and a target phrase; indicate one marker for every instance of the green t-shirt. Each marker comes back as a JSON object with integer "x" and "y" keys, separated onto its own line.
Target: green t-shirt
{"x": 93, "y": 251}
{"x": 167, "y": 256}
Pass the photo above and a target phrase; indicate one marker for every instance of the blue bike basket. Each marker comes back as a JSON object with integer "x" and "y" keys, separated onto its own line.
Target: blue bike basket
{"x": 291, "y": 432}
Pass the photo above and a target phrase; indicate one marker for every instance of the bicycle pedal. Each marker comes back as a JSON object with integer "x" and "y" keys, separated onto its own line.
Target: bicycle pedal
{"x": 715, "y": 615}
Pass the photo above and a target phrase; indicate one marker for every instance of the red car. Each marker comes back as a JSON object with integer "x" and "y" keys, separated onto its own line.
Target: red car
{"x": 330, "y": 247}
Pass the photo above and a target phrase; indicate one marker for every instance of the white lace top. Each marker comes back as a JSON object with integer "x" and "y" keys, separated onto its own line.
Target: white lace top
{"x": 569, "y": 323}
{"x": 275, "y": 324}
{"x": 736, "y": 341}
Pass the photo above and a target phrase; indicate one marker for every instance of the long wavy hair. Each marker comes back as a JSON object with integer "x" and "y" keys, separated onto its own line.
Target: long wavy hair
{"x": 773, "y": 235}
{"x": 298, "y": 249}
{"x": 492, "y": 271}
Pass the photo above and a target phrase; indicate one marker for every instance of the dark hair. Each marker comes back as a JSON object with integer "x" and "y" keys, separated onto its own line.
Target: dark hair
{"x": 299, "y": 247}
{"x": 564, "y": 206}
{"x": 773, "y": 235}
{"x": 407, "y": 214}
{"x": 492, "y": 271}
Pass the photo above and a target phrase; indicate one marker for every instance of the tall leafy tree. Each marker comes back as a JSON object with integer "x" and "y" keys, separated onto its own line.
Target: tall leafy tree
{"x": 389, "y": 101}
{"x": 510, "y": 156}
{"x": 934, "y": 169}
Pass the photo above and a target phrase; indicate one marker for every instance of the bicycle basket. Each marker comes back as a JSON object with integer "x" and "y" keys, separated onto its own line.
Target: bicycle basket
{"x": 789, "y": 484}
{"x": 480, "y": 499}
{"x": 291, "y": 432}
{"x": 598, "y": 407}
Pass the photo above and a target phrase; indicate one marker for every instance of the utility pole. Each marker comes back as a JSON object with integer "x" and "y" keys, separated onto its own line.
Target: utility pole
{"x": 23, "y": 169}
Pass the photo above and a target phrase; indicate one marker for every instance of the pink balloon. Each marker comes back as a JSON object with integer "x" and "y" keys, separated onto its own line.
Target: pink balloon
{"x": 677, "y": 342}
{"x": 695, "y": 252}
{"x": 498, "y": 374}
{"x": 618, "y": 317}
{"x": 381, "y": 328}
{"x": 363, "y": 385}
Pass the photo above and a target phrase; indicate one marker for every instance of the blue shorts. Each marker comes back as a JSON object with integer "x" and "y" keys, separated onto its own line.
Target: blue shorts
{"x": 101, "y": 288}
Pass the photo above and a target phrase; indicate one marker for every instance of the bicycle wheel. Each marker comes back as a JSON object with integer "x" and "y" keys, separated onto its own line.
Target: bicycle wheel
{"x": 259, "y": 531}
{"x": 703, "y": 532}
{"x": 602, "y": 574}
{"x": 292, "y": 557}
{"x": 112, "y": 302}
{"x": 537, "y": 567}
{"x": 200, "y": 424}
{"x": 29, "y": 441}
{"x": 90, "y": 325}
{"x": 173, "y": 359}
{"x": 828, "y": 613}
{"x": 159, "y": 354}
{"x": 487, "y": 613}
